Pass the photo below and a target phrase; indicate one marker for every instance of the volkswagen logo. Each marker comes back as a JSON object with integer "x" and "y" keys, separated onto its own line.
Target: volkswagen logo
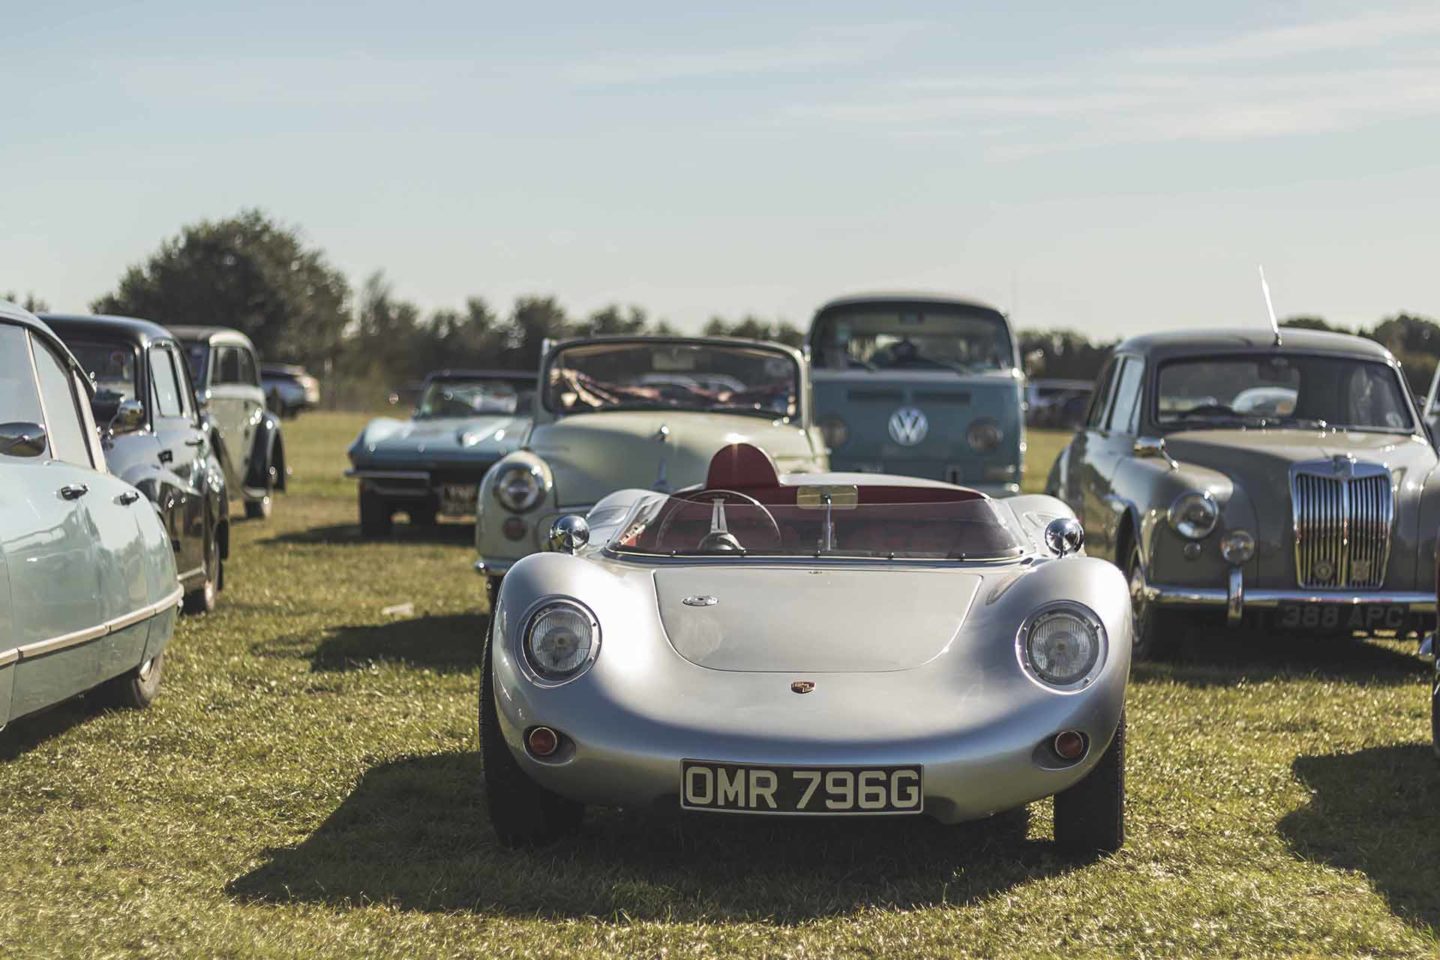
{"x": 908, "y": 426}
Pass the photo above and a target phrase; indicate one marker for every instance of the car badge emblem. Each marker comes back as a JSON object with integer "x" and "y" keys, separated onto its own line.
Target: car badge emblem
{"x": 1324, "y": 570}
{"x": 908, "y": 426}
{"x": 802, "y": 686}
{"x": 700, "y": 601}
{"x": 1344, "y": 465}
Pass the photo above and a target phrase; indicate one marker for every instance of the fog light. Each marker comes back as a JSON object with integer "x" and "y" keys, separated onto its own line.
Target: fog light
{"x": 1069, "y": 745}
{"x": 1237, "y": 547}
{"x": 513, "y": 528}
{"x": 542, "y": 741}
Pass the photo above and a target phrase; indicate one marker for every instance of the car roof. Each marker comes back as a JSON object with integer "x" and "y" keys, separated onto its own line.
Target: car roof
{"x": 907, "y": 297}
{"x": 187, "y": 332}
{"x": 1175, "y": 343}
{"x": 13, "y": 313}
{"x": 137, "y": 331}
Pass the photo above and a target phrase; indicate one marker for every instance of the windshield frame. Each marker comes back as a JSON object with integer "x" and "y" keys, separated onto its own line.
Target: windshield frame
{"x": 1170, "y": 425}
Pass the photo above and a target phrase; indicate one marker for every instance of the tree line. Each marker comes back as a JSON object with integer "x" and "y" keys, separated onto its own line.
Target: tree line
{"x": 260, "y": 276}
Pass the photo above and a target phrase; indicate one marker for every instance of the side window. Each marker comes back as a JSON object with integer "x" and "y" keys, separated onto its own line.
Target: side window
{"x": 19, "y": 396}
{"x": 1127, "y": 393}
{"x": 162, "y": 380}
{"x": 62, "y": 413}
{"x": 229, "y": 370}
{"x": 1100, "y": 401}
{"x": 247, "y": 367}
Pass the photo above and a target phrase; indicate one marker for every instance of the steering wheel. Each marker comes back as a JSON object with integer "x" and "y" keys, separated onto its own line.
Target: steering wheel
{"x": 727, "y": 541}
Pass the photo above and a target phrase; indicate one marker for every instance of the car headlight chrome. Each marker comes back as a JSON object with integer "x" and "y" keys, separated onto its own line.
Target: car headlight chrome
{"x": 1062, "y": 645}
{"x": 835, "y": 432}
{"x": 1237, "y": 547}
{"x": 984, "y": 435}
{"x": 561, "y": 640}
{"x": 519, "y": 487}
{"x": 1194, "y": 514}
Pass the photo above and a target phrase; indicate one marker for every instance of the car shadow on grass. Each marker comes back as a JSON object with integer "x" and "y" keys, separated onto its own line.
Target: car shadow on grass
{"x": 1219, "y": 657}
{"x": 447, "y": 643}
{"x": 341, "y": 534}
{"x": 33, "y": 731}
{"x": 414, "y": 835}
{"x": 1374, "y": 811}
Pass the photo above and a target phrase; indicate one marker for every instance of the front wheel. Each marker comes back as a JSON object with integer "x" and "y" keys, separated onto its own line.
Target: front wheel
{"x": 1090, "y": 816}
{"x": 135, "y": 690}
{"x": 202, "y": 599}
{"x": 1435, "y": 708}
{"x": 376, "y": 515}
{"x": 523, "y": 813}
{"x": 1156, "y": 630}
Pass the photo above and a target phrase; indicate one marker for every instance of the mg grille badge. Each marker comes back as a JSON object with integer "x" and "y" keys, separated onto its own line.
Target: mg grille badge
{"x": 908, "y": 426}
{"x": 700, "y": 601}
{"x": 802, "y": 686}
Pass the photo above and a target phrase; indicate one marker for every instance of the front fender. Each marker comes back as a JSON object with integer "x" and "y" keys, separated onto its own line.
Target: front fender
{"x": 266, "y": 446}
{"x": 1145, "y": 489}
{"x": 490, "y": 541}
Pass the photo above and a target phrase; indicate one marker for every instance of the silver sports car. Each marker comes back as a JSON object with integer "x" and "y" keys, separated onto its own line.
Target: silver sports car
{"x": 821, "y": 644}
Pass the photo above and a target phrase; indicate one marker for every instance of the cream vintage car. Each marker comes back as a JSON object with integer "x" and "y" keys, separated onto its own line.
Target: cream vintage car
{"x": 1283, "y": 479}
{"x": 649, "y": 412}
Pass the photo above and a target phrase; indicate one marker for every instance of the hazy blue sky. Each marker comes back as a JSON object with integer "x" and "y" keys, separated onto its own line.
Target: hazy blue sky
{"x": 1109, "y": 167}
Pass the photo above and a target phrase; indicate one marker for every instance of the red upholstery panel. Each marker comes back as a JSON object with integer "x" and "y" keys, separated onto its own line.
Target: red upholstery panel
{"x": 741, "y": 466}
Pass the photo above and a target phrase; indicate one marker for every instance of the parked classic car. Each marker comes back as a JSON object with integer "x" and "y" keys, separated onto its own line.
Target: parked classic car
{"x": 247, "y": 435}
{"x": 433, "y": 463}
{"x": 923, "y": 385}
{"x": 618, "y": 412}
{"x": 1313, "y": 514}
{"x": 155, "y": 439}
{"x": 289, "y": 388}
{"x": 87, "y": 576}
{"x": 722, "y": 650}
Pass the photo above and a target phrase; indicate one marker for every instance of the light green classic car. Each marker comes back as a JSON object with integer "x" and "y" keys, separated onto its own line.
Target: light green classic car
{"x": 613, "y": 413}
{"x": 88, "y": 592}
{"x": 1285, "y": 480}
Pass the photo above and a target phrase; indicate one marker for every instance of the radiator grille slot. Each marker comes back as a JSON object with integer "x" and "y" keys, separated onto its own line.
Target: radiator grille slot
{"x": 1343, "y": 518}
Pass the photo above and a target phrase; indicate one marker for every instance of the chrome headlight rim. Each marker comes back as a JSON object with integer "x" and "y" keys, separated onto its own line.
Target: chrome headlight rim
{"x": 993, "y": 435}
{"x": 536, "y": 495}
{"x": 1092, "y": 621}
{"x": 533, "y": 672}
{"x": 1179, "y": 523}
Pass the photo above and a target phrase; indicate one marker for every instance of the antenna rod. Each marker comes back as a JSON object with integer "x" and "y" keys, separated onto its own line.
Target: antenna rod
{"x": 1270, "y": 306}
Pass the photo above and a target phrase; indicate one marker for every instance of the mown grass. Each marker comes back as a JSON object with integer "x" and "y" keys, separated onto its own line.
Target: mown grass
{"x": 307, "y": 786}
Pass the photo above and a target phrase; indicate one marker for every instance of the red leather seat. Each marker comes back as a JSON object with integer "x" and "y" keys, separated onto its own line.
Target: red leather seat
{"x": 741, "y": 467}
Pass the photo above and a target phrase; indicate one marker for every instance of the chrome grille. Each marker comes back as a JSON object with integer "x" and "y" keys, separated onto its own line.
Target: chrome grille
{"x": 1343, "y": 513}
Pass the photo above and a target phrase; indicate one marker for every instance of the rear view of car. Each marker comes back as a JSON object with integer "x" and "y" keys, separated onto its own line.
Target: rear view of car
{"x": 289, "y": 389}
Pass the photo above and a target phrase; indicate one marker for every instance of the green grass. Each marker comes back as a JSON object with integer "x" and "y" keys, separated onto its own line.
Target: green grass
{"x": 307, "y": 785}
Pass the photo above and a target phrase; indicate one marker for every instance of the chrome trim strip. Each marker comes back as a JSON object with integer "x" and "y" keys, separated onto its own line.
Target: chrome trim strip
{"x": 9, "y": 657}
{"x": 75, "y": 639}
{"x": 388, "y": 474}
{"x": 1215, "y": 597}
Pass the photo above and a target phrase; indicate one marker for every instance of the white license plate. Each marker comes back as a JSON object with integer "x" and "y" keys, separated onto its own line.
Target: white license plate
{"x": 741, "y": 787}
{"x": 458, "y": 497}
{"x": 1333, "y": 616}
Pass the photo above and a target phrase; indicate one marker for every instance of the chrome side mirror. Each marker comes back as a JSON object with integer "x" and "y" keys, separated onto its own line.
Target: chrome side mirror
{"x": 1147, "y": 447}
{"x": 129, "y": 417}
{"x": 569, "y": 533}
{"x": 1064, "y": 536}
{"x": 22, "y": 439}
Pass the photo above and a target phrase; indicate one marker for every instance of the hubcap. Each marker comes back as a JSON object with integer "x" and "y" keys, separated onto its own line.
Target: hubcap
{"x": 145, "y": 669}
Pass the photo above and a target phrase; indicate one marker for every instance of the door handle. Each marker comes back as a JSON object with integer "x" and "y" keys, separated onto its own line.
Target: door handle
{"x": 167, "y": 456}
{"x": 195, "y": 441}
{"x": 127, "y": 498}
{"x": 74, "y": 491}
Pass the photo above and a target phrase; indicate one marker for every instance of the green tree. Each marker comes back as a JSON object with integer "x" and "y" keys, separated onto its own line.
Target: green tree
{"x": 754, "y": 328}
{"x": 28, "y": 302}
{"x": 248, "y": 272}
{"x": 612, "y": 320}
{"x": 1312, "y": 323}
{"x": 533, "y": 321}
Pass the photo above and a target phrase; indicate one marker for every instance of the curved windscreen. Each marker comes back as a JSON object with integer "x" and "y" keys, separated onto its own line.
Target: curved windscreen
{"x": 664, "y": 375}
{"x": 912, "y": 338}
{"x": 113, "y": 367}
{"x": 725, "y": 523}
{"x": 471, "y": 398}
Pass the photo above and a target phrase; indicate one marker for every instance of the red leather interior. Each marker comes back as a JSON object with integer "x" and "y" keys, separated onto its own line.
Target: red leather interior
{"x": 741, "y": 466}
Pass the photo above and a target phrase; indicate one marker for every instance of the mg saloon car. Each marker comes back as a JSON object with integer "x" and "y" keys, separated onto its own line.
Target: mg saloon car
{"x": 155, "y": 438}
{"x": 922, "y": 385}
{"x": 1285, "y": 481}
{"x": 87, "y": 575}
{"x": 809, "y": 645}
{"x": 432, "y": 464}
{"x": 649, "y": 412}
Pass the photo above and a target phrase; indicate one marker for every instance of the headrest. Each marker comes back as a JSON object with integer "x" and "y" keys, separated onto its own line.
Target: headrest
{"x": 741, "y": 466}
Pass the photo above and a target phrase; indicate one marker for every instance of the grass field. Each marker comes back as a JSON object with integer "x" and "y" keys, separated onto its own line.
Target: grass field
{"x": 307, "y": 785}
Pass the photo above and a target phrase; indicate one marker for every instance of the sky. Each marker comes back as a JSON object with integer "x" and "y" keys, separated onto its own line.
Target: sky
{"x": 1109, "y": 167}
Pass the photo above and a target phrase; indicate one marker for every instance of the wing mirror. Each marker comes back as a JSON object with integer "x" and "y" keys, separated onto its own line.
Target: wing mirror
{"x": 1146, "y": 447}
{"x": 569, "y": 533}
{"x": 129, "y": 417}
{"x": 1064, "y": 536}
{"x": 22, "y": 439}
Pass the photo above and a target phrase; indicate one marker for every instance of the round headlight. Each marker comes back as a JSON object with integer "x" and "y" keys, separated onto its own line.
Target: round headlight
{"x": 984, "y": 435}
{"x": 1194, "y": 514}
{"x": 834, "y": 431}
{"x": 561, "y": 640}
{"x": 519, "y": 487}
{"x": 1237, "y": 547}
{"x": 1062, "y": 644}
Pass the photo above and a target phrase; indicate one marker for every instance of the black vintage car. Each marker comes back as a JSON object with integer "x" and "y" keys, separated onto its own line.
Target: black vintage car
{"x": 155, "y": 438}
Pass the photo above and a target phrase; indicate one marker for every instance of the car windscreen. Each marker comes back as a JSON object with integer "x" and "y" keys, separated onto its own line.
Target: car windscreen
{"x": 1277, "y": 389}
{"x": 114, "y": 368}
{"x": 707, "y": 377}
{"x": 471, "y": 398}
{"x": 725, "y": 523}
{"x": 912, "y": 338}
{"x": 197, "y": 354}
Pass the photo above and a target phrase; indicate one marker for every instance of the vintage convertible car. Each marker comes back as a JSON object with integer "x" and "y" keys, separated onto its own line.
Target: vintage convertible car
{"x": 88, "y": 592}
{"x": 155, "y": 439}
{"x": 1282, "y": 480}
{"x": 821, "y": 644}
{"x": 433, "y": 463}
{"x": 620, "y": 412}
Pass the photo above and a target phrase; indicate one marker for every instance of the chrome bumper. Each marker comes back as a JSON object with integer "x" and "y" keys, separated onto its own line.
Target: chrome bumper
{"x": 1236, "y": 598}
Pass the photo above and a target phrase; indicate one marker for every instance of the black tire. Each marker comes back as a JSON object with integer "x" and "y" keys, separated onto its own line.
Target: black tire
{"x": 1090, "y": 816}
{"x": 376, "y": 515}
{"x": 1157, "y": 632}
{"x": 135, "y": 690}
{"x": 202, "y": 599}
{"x": 424, "y": 516}
{"x": 1435, "y": 707}
{"x": 492, "y": 592}
{"x": 523, "y": 813}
